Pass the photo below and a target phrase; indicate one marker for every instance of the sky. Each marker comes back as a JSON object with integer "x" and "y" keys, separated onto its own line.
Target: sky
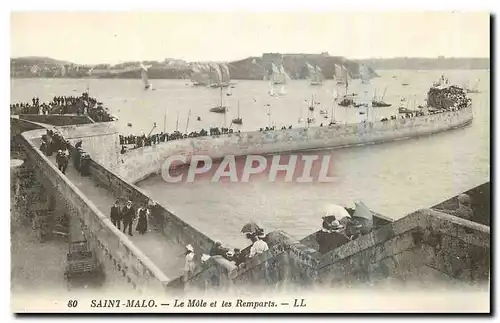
{"x": 114, "y": 37}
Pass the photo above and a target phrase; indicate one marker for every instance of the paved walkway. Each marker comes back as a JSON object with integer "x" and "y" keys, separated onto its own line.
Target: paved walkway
{"x": 167, "y": 255}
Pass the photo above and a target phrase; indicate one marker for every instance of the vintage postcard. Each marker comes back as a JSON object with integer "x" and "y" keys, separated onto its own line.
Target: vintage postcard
{"x": 250, "y": 162}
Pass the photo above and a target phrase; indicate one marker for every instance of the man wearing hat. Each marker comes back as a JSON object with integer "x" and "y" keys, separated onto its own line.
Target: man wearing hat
{"x": 331, "y": 236}
{"x": 115, "y": 215}
{"x": 128, "y": 216}
{"x": 189, "y": 265}
{"x": 353, "y": 229}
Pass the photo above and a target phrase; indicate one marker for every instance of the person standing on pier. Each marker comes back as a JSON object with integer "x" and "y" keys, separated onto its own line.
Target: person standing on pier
{"x": 258, "y": 247}
{"x": 142, "y": 223}
{"x": 189, "y": 265}
{"x": 128, "y": 217}
{"x": 115, "y": 215}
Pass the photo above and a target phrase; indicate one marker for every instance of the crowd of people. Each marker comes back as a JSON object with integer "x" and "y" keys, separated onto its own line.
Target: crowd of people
{"x": 235, "y": 256}
{"x": 54, "y": 142}
{"x": 452, "y": 97}
{"x": 79, "y": 105}
{"x": 440, "y": 100}
{"x": 143, "y": 140}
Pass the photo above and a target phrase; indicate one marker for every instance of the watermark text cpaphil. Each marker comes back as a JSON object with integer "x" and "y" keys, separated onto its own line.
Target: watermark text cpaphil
{"x": 299, "y": 168}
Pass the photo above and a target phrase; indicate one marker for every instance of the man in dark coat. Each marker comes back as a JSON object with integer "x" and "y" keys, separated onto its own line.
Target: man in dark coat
{"x": 331, "y": 236}
{"x": 128, "y": 216}
{"x": 115, "y": 215}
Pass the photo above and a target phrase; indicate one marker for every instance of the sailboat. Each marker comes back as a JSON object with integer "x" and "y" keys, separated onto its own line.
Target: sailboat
{"x": 201, "y": 75}
{"x": 315, "y": 75}
{"x": 145, "y": 78}
{"x": 403, "y": 108}
{"x": 335, "y": 101}
{"x": 238, "y": 120}
{"x": 340, "y": 74}
{"x": 220, "y": 108}
{"x": 278, "y": 74}
{"x": 474, "y": 89}
{"x": 225, "y": 75}
{"x": 219, "y": 75}
{"x": 379, "y": 103}
{"x": 348, "y": 99}
{"x": 364, "y": 74}
{"x": 271, "y": 89}
{"x": 282, "y": 90}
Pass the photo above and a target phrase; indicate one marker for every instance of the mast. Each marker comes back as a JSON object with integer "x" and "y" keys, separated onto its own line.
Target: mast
{"x": 269, "y": 115}
{"x": 238, "y": 109}
{"x": 382, "y": 99}
{"x": 165, "y": 121}
{"x": 221, "y": 96}
{"x": 187, "y": 122}
{"x": 177, "y": 123}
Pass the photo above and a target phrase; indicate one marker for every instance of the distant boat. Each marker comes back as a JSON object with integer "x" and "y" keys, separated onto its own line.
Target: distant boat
{"x": 341, "y": 74}
{"x": 405, "y": 84}
{"x": 145, "y": 78}
{"x": 364, "y": 73}
{"x": 315, "y": 74}
{"x": 219, "y": 75}
{"x": 220, "y": 108}
{"x": 201, "y": 74}
{"x": 278, "y": 74}
{"x": 474, "y": 89}
{"x": 238, "y": 120}
{"x": 379, "y": 103}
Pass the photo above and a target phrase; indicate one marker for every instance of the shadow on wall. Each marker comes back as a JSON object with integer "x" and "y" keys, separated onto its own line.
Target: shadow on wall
{"x": 480, "y": 203}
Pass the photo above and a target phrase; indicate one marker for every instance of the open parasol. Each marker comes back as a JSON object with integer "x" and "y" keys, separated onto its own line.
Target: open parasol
{"x": 250, "y": 227}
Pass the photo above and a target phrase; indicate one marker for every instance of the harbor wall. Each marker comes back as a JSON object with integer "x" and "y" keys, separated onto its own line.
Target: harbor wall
{"x": 57, "y": 120}
{"x": 140, "y": 163}
{"x": 110, "y": 244}
{"x": 100, "y": 140}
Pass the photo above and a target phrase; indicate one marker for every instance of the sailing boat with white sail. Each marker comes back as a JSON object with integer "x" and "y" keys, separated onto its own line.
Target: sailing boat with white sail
{"x": 238, "y": 120}
{"x": 474, "y": 89}
{"x": 340, "y": 75}
{"x": 278, "y": 74}
{"x": 144, "y": 77}
{"x": 201, "y": 75}
{"x": 315, "y": 74}
{"x": 220, "y": 108}
{"x": 364, "y": 73}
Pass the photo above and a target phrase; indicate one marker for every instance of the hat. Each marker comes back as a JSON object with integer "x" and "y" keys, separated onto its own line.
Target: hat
{"x": 335, "y": 225}
{"x": 230, "y": 253}
{"x": 189, "y": 247}
{"x": 355, "y": 224}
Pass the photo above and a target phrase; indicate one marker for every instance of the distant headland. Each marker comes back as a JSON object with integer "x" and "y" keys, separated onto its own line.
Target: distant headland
{"x": 251, "y": 68}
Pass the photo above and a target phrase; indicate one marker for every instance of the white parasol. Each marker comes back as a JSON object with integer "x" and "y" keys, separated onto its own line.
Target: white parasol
{"x": 338, "y": 211}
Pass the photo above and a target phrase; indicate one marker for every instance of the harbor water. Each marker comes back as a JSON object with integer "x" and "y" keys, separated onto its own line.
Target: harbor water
{"x": 394, "y": 178}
